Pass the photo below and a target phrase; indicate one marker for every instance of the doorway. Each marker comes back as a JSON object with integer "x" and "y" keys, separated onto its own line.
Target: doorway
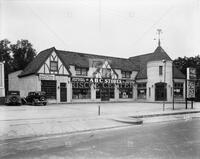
{"x": 63, "y": 92}
{"x": 160, "y": 91}
{"x": 105, "y": 94}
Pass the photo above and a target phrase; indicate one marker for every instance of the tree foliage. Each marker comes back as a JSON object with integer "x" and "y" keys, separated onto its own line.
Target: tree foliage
{"x": 23, "y": 54}
{"x": 183, "y": 63}
{"x": 15, "y": 56}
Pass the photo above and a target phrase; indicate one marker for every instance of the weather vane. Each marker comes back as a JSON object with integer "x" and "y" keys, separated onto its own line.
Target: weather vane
{"x": 159, "y": 31}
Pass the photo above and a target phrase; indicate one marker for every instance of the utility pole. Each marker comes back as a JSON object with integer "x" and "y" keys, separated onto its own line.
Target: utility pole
{"x": 165, "y": 89}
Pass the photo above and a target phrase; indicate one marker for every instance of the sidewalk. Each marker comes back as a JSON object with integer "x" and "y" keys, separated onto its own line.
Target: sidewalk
{"x": 31, "y": 121}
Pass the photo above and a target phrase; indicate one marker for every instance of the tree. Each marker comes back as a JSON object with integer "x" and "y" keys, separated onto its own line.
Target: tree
{"x": 23, "y": 54}
{"x": 183, "y": 63}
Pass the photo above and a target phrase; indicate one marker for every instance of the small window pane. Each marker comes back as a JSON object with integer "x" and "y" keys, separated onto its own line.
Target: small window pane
{"x": 160, "y": 70}
{"x": 54, "y": 66}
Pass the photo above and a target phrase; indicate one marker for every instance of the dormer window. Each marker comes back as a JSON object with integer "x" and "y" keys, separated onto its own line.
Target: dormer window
{"x": 81, "y": 71}
{"x": 54, "y": 66}
{"x": 106, "y": 72}
{"x": 126, "y": 74}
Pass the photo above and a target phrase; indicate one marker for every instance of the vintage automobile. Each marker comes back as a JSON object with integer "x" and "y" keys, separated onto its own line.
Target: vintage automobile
{"x": 36, "y": 98}
{"x": 13, "y": 98}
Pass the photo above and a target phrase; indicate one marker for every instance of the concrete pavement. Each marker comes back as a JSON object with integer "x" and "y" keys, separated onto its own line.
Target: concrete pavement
{"x": 55, "y": 119}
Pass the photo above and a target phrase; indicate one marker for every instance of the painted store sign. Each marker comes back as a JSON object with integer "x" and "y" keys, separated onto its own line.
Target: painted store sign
{"x": 101, "y": 80}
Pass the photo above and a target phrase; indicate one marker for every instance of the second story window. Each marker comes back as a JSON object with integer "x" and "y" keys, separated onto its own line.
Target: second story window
{"x": 53, "y": 66}
{"x": 81, "y": 71}
{"x": 126, "y": 74}
{"x": 160, "y": 70}
{"x": 106, "y": 72}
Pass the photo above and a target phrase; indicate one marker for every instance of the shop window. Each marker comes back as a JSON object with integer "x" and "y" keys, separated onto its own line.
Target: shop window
{"x": 178, "y": 90}
{"x": 81, "y": 93}
{"x": 126, "y": 74}
{"x": 141, "y": 90}
{"x": 53, "y": 66}
{"x": 160, "y": 70}
{"x": 125, "y": 93}
{"x": 81, "y": 71}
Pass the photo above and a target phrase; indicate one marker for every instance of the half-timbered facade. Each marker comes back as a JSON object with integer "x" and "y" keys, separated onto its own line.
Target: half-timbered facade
{"x": 77, "y": 77}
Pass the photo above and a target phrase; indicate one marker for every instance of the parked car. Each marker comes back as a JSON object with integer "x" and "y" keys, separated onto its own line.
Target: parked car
{"x": 36, "y": 98}
{"x": 13, "y": 98}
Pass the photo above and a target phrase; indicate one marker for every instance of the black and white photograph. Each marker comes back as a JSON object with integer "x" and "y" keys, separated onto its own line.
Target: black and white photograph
{"x": 99, "y": 79}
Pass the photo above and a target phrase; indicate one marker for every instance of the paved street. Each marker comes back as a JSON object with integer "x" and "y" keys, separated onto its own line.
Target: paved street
{"x": 34, "y": 121}
{"x": 180, "y": 139}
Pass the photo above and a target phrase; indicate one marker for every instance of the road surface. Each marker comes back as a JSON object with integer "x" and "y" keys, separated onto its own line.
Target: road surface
{"x": 179, "y": 139}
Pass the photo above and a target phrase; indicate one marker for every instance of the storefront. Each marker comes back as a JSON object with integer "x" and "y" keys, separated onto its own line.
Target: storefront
{"x": 76, "y": 77}
{"x": 105, "y": 89}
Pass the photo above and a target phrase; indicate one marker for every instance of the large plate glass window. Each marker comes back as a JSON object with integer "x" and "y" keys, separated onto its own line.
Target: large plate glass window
{"x": 81, "y": 90}
{"x": 125, "y": 90}
{"x": 178, "y": 90}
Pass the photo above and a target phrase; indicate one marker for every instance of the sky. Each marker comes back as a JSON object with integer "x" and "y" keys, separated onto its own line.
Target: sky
{"x": 119, "y": 28}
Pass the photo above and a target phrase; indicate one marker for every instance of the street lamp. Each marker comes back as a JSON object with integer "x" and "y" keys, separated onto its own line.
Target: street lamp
{"x": 164, "y": 62}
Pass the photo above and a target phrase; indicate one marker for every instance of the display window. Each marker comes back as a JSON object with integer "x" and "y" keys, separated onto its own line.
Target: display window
{"x": 81, "y": 93}
{"x": 178, "y": 90}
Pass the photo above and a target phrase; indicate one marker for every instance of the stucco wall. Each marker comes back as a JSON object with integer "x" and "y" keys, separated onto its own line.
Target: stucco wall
{"x": 154, "y": 77}
{"x": 25, "y": 84}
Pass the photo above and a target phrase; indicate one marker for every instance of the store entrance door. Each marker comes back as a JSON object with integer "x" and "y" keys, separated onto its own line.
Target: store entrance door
{"x": 105, "y": 94}
{"x": 63, "y": 92}
{"x": 160, "y": 92}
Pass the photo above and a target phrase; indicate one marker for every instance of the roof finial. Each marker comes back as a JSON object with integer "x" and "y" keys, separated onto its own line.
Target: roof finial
{"x": 159, "y": 31}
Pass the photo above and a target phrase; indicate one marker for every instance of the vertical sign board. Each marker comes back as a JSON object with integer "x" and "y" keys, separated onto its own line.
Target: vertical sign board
{"x": 191, "y": 77}
{"x": 191, "y": 73}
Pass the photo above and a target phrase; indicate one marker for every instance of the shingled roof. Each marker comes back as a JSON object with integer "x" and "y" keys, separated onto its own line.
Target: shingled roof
{"x": 76, "y": 59}
{"x": 137, "y": 63}
{"x": 142, "y": 60}
{"x": 37, "y": 62}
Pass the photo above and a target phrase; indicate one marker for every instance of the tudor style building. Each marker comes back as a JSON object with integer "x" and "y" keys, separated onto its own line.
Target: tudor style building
{"x": 75, "y": 77}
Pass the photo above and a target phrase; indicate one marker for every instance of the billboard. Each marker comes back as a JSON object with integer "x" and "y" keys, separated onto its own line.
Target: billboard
{"x": 191, "y": 73}
{"x": 190, "y": 89}
{"x": 191, "y": 77}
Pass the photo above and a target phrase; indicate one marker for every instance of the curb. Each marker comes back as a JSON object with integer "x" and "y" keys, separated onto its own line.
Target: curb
{"x": 163, "y": 114}
{"x": 130, "y": 120}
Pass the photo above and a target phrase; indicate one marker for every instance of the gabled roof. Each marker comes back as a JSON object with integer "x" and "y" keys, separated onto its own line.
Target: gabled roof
{"x": 142, "y": 60}
{"x": 137, "y": 63}
{"x": 82, "y": 60}
{"x": 37, "y": 62}
{"x": 76, "y": 59}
